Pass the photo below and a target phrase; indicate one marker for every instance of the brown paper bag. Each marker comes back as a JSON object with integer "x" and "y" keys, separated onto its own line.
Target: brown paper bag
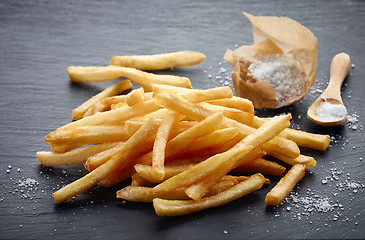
{"x": 273, "y": 35}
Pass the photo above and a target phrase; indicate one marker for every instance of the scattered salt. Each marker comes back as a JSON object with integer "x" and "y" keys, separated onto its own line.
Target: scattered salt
{"x": 283, "y": 73}
{"x": 328, "y": 112}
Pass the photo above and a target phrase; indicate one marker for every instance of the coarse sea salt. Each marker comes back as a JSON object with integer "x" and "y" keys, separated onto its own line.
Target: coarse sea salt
{"x": 283, "y": 73}
{"x": 329, "y": 112}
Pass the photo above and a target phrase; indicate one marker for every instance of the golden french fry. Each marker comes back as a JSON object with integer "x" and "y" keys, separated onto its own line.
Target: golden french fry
{"x": 182, "y": 207}
{"x": 285, "y": 185}
{"x": 120, "y": 158}
{"x": 73, "y": 157}
{"x": 105, "y": 105}
{"x": 113, "y": 90}
{"x": 162, "y": 88}
{"x": 242, "y": 104}
{"x": 262, "y": 166}
{"x": 159, "y": 61}
{"x": 65, "y": 147}
{"x": 88, "y": 135}
{"x": 197, "y": 96}
{"x": 232, "y": 113}
{"x": 108, "y": 73}
{"x": 159, "y": 147}
{"x": 301, "y": 159}
{"x": 135, "y": 97}
{"x": 311, "y": 140}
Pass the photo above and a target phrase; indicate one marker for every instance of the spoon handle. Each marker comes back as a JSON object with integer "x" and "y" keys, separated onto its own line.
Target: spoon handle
{"x": 339, "y": 68}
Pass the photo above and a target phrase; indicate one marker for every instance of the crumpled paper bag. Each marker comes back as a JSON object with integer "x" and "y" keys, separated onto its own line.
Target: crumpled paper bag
{"x": 273, "y": 35}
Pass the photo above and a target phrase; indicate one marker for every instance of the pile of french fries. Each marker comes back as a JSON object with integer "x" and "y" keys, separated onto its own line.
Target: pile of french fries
{"x": 184, "y": 149}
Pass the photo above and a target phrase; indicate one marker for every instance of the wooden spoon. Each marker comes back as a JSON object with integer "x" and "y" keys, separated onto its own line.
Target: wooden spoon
{"x": 339, "y": 68}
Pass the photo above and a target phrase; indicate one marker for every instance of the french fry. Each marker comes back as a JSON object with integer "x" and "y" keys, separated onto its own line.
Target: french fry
{"x": 135, "y": 97}
{"x": 196, "y": 112}
{"x": 142, "y": 194}
{"x": 159, "y": 147}
{"x": 197, "y": 96}
{"x": 242, "y": 104}
{"x": 285, "y": 185}
{"x": 182, "y": 207}
{"x": 232, "y": 113}
{"x": 266, "y": 132}
{"x": 315, "y": 141}
{"x": 105, "y": 105}
{"x": 263, "y": 166}
{"x": 65, "y": 147}
{"x": 88, "y": 135}
{"x": 159, "y": 61}
{"x": 120, "y": 158}
{"x": 73, "y": 157}
{"x": 162, "y": 88}
{"x": 113, "y": 90}
{"x": 301, "y": 159}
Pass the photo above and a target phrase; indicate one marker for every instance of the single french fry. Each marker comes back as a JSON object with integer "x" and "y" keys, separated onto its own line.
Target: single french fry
{"x": 234, "y": 156}
{"x": 108, "y": 73}
{"x": 197, "y": 96}
{"x": 182, "y": 207}
{"x": 301, "y": 159}
{"x": 162, "y": 88}
{"x": 285, "y": 185}
{"x": 159, "y": 61}
{"x": 65, "y": 147}
{"x": 159, "y": 147}
{"x": 142, "y": 193}
{"x": 113, "y": 90}
{"x": 232, "y": 113}
{"x": 242, "y": 104}
{"x": 120, "y": 158}
{"x": 73, "y": 157}
{"x": 315, "y": 141}
{"x": 196, "y": 112}
{"x": 135, "y": 97}
{"x": 105, "y": 105}
{"x": 88, "y": 135}
{"x": 262, "y": 166}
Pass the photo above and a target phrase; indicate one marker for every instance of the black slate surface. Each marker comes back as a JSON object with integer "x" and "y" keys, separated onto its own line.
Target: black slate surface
{"x": 39, "y": 39}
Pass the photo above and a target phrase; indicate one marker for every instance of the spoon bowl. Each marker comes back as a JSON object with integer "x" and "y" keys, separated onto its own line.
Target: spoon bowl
{"x": 339, "y": 68}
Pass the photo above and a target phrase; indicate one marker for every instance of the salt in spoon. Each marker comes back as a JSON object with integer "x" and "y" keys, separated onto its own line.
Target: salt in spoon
{"x": 339, "y": 68}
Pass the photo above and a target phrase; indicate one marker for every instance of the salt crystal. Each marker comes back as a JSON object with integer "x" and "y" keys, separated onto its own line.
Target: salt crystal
{"x": 328, "y": 112}
{"x": 9, "y": 166}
